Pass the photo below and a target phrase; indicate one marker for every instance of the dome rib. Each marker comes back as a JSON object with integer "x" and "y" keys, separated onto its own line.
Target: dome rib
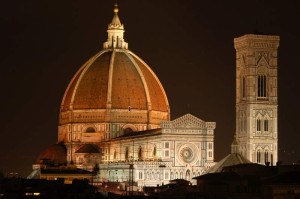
{"x": 110, "y": 74}
{"x": 157, "y": 80}
{"x": 82, "y": 74}
{"x": 143, "y": 80}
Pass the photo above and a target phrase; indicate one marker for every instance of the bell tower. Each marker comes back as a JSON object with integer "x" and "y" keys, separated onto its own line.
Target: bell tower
{"x": 256, "y": 97}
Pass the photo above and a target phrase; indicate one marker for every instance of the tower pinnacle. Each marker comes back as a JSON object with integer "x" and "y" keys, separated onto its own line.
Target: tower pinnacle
{"x": 115, "y": 32}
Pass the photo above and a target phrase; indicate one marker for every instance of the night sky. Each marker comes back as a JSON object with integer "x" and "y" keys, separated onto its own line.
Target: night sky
{"x": 187, "y": 43}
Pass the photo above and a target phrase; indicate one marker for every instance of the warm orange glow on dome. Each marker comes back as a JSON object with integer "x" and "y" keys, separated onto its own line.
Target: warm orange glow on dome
{"x": 115, "y": 79}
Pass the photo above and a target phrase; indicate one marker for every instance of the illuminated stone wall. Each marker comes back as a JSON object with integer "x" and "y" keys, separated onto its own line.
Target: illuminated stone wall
{"x": 256, "y": 97}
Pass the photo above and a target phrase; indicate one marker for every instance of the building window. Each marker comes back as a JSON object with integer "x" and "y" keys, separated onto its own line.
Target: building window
{"x": 210, "y": 154}
{"x": 154, "y": 151}
{"x": 126, "y": 154}
{"x": 266, "y": 156}
{"x": 140, "y": 175}
{"x": 266, "y": 125}
{"x": 115, "y": 155}
{"x": 166, "y": 175}
{"x": 258, "y": 156}
{"x": 167, "y": 145}
{"x": 140, "y": 155}
{"x": 209, "y": 145}
{"x": 258, "y": 125}
{"x": 127, "y": 131}
{"x": 271, "y": 159}
{"x": 244, "y": 87}
{"x": 167, "y": 153}
{"x": 176, "y": 175}
{"x": 90, "y": 130}
{"x": 172, "y": 175}
{"x": 261, "y": 86}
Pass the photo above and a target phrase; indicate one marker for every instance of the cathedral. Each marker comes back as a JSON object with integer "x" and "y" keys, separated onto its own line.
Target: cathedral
{"x": 115, "y": 116}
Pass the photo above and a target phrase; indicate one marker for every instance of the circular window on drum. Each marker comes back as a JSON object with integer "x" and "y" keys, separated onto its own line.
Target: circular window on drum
{"x": 187, "y": 155}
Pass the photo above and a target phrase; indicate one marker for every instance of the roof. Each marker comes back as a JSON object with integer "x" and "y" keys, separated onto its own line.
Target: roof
{"x": 229, "y": 160}
{"x": 65, "y": 171}
{"x": 88, "y": 148}
{"x": 150, "y": 132}
{"x": 55, "y": 154}
{"x": 218, "y": 176}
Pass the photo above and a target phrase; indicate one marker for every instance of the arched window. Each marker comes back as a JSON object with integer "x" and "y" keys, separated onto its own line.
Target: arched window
{"x": 181, "y": 175}
{"x": 90, "y": 130}
{"x": 140, "y": 154}
{"x": 172, "y": 175}
{"x": 176, "y": 175}
{"x": 127, "y": 131}
{"x": 154, "y": 152}
{"x": 266, "y": 156}
{"x": 258, "y": 125}
{"x": 258, "y": 156}
{"x": 126, "y": 154}
{"x": 266, "y": 125}
{"x": 262, "y": 86}
{"x": 271, "y": 159}
{"x": 188, "y": 175}
{"x": 115, "y": 155}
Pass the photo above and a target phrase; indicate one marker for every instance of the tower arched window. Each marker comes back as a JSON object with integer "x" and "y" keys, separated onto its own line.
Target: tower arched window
{"x": 266, "y": 156}
{"x": 266, "y": 125}
{"x": 258, "y": 156}
{"x": 262, "y": 86}
{"x": 258, "y": 125}
{"x": 244, "y": 87}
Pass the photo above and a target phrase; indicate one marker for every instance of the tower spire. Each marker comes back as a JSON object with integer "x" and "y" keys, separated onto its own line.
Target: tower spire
{"x": 115, "y": 32}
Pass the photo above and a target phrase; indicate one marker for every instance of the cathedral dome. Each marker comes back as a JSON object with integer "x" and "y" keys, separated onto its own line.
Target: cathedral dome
{"x": 55, "y": 154}
{"x": 112, "y": 83}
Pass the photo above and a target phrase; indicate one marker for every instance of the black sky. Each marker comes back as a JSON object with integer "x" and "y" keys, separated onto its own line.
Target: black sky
{"x": 187, "y": 43}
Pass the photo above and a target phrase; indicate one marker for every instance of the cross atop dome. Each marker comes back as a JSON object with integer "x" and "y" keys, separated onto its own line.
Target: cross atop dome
{"x": 115, "y": 32}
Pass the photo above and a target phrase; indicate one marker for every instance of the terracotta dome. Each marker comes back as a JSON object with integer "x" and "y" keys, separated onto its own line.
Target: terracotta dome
{"x": 56, "y": 154}
{"x": 115, "y": 79}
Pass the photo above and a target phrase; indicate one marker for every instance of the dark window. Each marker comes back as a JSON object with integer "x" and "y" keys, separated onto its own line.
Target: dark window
{"x": 126, "y": 154}
{"x": 90, "y": 130}
{"x": 244, "y": 87}
{"x": 266, "y": 156}
{"x": 258, "y": 156}
{"x": 262, "y": 86}
{"x": 140, "y": 153}
{"x": 154, "y": 151}
{"x": 127, "y": 131}
{"x": 266, "y": 125}
{"x": 258, "y": 125}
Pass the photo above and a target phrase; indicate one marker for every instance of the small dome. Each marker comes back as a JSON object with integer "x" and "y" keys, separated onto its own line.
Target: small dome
{"x": 56, "y": 154}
